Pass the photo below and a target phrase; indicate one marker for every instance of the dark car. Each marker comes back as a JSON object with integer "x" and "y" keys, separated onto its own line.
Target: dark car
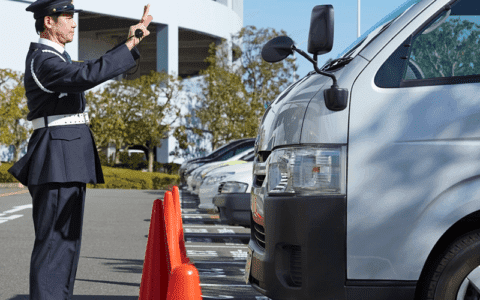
{"x": 221, "y": 154}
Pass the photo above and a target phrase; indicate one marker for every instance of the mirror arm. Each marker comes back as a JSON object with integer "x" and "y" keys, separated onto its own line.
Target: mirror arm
{"x": 314, "y": 62}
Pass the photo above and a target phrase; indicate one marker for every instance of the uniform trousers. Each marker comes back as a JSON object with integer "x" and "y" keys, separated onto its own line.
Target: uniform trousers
{"x": 58, "y": 219}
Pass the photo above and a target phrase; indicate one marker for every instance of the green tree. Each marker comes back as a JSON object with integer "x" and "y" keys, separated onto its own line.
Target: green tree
{"x": 108, "y": 118}
{"x": 450, "y": 50}
{"x": 235, "y": 95}
{"x": 136, "y": 112}
{"x": 14, "y": 129}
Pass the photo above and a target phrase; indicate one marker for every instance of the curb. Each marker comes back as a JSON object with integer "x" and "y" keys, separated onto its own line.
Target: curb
{"x": 11, "y": 185}
{"x": 14, "y": 193}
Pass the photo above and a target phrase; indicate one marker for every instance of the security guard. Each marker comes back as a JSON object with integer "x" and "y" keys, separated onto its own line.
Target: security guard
{"x": 62, "y": 156}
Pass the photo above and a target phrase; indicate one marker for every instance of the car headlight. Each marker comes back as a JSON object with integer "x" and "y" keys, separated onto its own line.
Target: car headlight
{"x": 307, "y": 170}
{"x": 216, "y": 178}
{"x": 231, "y": 187}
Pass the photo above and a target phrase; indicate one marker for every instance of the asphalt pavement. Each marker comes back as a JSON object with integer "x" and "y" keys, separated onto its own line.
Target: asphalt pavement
{"x": 113, "y": 247}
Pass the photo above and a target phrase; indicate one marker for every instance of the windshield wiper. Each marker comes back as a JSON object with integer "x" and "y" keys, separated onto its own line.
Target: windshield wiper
{"x": 336, "y": 63}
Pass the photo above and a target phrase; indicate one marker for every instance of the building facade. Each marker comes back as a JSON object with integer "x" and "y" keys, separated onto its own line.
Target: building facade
{"x": 181, "y": 33}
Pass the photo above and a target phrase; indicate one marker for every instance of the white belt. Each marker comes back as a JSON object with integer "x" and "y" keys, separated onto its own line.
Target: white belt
{"x": 61, "y": 120}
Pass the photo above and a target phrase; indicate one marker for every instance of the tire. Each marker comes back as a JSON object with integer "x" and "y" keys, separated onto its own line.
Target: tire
{"x": 446, "y": 274}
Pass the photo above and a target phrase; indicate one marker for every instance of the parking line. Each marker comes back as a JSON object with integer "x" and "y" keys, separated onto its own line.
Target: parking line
{"x": 220, "y": 262}
{"x": 226, "y": 285}
{"x": 6, "y": 219}
{"x": 188, "y": 245}
{"x": 188, "y": 225}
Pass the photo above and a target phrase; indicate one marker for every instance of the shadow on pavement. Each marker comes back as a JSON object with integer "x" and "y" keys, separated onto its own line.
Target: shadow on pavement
{"x": 85, "y": 297}
{"x": 109, "y": 282}
{"x": 121, "y": 265}
{"x": 156, "y": 192}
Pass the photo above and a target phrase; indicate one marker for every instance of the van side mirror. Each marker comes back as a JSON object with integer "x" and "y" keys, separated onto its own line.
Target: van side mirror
{"x": 277, "y": 49}
{"x": 320, "y": 41}
{"x": 320, "y": 36}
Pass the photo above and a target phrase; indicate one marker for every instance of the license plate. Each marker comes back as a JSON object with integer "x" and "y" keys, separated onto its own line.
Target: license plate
{"x": 248, "y": 265}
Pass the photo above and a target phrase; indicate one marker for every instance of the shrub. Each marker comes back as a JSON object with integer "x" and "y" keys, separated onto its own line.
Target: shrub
{"x": 170, "y": 168}
{"x": 104, "y": 160}
{"x": 163, "y": 181}
{"x": 116, "y": 178}
{"x": 4, "y": 175}
{"x": 134, "y": 161}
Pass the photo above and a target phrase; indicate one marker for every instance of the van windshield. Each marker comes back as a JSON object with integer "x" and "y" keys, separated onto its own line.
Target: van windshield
{"x": 378, "y": 28}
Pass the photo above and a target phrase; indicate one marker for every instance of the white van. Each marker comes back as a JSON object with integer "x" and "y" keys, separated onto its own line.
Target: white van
{"x": 370, "y": 188}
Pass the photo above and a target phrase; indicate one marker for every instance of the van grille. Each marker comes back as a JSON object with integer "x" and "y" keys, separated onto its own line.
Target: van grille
{"x": 220, "y": 187}
{"x": 296, "y": 265}
{"x": 259, "y": 180}
{"x": 259, "y": 233}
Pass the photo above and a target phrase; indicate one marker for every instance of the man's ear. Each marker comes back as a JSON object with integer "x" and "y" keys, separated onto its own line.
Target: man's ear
{"x": 48, "y": 22}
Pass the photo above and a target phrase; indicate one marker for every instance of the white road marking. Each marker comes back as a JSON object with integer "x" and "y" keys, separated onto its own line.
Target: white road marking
{"x": 217, "y": 246}
{"x": 225, "y": 285}
{"x": 221, "y": 262}
{"x": 218, "y": 297}
{"x": 188, "y": 230}
{"x": 198, "y": 240}
{"x": 192, "y": 217}
{"x": 200, "y": 253}
{"x": 225, "y": 230}
{"x": 6, "y": 219}
{"x": 17, "y": 208}
{"x": 208, "y": 226}
{"x": 231, "y": 241}
{"x": 239, "y": 254}
{"x": 211, "y": 272}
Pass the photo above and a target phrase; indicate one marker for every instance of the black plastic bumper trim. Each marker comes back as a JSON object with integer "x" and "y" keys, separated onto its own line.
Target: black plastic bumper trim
{"x": 234, "y": 208}
{"x": 396, "y": 292}
{"x": 315, "y": 226}
{"x": 381, "y": 283}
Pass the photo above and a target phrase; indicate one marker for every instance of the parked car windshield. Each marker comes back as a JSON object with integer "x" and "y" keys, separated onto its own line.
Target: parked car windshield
{"x": 376, "y": 29}
{"x": 218, "y": 151}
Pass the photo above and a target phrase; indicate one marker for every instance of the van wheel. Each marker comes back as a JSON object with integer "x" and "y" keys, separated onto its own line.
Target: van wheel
{"x": 455, "y": 275}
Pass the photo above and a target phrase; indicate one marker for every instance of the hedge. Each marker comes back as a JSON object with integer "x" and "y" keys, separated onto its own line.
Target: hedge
{"x": 6, "y": 177}
{"x": 116, "y": 178}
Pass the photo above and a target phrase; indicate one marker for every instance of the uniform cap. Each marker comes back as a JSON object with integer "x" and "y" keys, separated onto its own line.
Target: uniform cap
{"x": 42, "y": 8}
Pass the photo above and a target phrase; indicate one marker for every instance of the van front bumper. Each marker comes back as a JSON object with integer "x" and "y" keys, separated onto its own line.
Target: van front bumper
{"x": 304, "y": 254}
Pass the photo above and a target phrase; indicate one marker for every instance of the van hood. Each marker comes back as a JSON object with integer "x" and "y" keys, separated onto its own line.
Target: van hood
{"x": 299, "y": 115}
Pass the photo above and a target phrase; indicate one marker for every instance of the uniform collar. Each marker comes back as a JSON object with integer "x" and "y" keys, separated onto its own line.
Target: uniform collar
{"x": 51, "y": 44}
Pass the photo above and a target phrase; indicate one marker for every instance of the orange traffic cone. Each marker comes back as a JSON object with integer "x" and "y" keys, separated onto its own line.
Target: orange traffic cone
{"x": 156, "y": 265}
{"x": 172, "y": 230}
{"x": 184, "y": 284}
{"x": 178, "y": 206}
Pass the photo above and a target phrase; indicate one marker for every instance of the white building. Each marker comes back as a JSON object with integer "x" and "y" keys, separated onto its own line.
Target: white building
{"x": 181, "y": 32}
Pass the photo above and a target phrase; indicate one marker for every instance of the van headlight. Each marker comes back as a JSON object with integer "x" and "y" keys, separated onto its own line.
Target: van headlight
{"x": 307, "y": 170}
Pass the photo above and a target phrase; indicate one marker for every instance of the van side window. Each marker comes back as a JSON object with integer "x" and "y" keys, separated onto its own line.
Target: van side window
{"x": 446, "y": 51}
{"x": 391, "y": 72}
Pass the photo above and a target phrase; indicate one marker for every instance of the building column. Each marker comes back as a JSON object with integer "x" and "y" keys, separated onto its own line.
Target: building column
{"x": 167, "y": 61}
{"x": 167, "y": 48}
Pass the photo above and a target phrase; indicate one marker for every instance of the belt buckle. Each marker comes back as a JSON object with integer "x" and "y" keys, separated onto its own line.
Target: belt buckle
{"x": 87, "y": 119}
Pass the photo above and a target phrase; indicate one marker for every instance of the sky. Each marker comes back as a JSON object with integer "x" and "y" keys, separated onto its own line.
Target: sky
{"x": 293, "y": 16}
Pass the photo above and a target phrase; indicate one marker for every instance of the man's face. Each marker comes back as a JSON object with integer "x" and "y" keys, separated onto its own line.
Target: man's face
{"x": 64, "y": 29}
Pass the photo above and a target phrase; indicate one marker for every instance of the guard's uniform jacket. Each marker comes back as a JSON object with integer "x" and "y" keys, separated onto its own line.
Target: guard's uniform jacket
{"x": 55, "y": 86}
